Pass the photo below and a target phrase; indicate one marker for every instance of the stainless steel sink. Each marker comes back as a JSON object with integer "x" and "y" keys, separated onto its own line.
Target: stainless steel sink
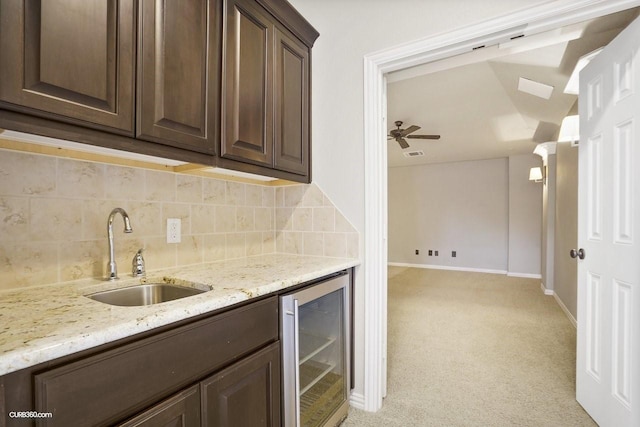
{"x": 147, "y": 294}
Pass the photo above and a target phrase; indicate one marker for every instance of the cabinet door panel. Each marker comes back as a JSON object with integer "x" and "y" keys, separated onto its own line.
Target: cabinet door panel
{"x": 181, "y": 410}
{"x": 71, "y": 58}
{"x": 247, "y": 97}
{"x": 179, "y": 72}
{"x": 246, "y": 393}
{"x": 291, "y": 104}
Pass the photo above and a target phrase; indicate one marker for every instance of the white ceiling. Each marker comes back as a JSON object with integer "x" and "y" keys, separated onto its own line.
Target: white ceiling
{"x": 473, "y": 101}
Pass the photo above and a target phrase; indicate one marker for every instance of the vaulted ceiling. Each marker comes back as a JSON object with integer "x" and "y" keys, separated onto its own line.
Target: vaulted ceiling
{"x": 473, "y": 100}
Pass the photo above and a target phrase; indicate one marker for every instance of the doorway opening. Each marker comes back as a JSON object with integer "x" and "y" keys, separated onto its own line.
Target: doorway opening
{"x": 376, "y": 66}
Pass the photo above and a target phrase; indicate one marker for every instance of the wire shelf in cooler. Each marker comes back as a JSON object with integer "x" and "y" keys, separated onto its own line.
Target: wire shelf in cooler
{"x": 321, "y": 400}
{"x": 311, "y": 372}
{"x": 310, "y": 345}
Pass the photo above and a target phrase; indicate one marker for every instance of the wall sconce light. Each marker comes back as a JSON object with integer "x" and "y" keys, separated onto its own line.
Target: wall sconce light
{"x": 570, "y": 130}
{"x": 535, "y": 174}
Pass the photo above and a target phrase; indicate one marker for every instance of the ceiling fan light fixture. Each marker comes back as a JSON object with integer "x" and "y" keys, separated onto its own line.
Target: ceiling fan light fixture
{"x": 532, "y": 87}
{"x": 400, "y": 134}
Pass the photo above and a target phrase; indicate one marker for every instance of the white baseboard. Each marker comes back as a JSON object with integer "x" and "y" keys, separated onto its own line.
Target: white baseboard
{"x": 545, "y": 290}
{"x": 564, "y": 308}
{"x": 525, "y": 275}
{"x": 561, "y": 304}
{"x": 446, "y": 267}
{"x": 357, "y": 401}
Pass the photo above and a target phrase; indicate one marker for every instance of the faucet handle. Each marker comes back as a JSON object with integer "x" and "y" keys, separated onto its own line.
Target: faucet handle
{"x": 137, "y": 264}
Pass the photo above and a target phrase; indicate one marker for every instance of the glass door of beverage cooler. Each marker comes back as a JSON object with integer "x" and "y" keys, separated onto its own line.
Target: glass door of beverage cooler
{"x": 316, "y": 354}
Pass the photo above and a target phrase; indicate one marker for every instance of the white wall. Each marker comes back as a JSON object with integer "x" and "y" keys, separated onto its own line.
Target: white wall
{"x": 525, "y": 217}
{"x": 566, "y": 230}
{"x": 548, "y": 223}
{"x": 350, "y": 29}
{"x": 461, "y": 206}
{"x": 487, "y": 211}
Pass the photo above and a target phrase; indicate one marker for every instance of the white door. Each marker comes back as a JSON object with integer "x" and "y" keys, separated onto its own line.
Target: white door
{"x": 608, "y": 348}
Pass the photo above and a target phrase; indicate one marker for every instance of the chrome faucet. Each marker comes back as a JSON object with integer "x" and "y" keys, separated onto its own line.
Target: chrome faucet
{"x": 137, "y": 264}
{"x": 111, "y": 266}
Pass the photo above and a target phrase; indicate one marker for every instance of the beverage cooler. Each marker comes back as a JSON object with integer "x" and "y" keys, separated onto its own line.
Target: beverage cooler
{"x": 316, "y": 354}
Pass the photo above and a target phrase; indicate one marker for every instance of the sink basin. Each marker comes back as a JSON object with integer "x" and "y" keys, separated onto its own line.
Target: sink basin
{"x": 147, "y": 294}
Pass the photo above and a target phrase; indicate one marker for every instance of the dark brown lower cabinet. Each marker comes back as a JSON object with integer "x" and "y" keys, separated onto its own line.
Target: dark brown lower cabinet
{"x": 183, "y": 409}
{"x": 246, "y": 393}
{"x": 219, "y": 368}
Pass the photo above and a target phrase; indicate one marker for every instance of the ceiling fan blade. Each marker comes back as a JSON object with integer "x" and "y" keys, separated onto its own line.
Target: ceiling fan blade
{"x": 403, "y": 142}
{"x": 409, "y": 130}
{"x": 424, "y": 136}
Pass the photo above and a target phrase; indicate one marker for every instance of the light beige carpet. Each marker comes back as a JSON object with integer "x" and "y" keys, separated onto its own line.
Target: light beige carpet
{"x": 474, "y": 349}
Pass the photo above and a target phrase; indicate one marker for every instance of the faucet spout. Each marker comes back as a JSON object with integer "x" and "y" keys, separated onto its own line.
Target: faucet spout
{"x": 112, "y": 268}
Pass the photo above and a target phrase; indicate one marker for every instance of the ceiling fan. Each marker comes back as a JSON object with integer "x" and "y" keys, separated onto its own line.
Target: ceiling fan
{"x": 400, "y": 134}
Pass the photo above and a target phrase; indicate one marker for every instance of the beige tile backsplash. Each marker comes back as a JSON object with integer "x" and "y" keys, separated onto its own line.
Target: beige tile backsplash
{"x": 309, "y": 224}
{"x": 53, "y": 214}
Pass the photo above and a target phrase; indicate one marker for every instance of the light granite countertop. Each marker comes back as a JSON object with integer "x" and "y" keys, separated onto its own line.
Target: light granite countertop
{"x": 43, "y": 323}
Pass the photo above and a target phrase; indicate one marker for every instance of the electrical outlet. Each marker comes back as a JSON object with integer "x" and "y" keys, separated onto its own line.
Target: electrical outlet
{"x": 430, "y": 252}
{"x": 417, "y": 251}
{"x": 436, "y": 253}
{"x": 453, "y": 254}
{"x": 173, "y": 230}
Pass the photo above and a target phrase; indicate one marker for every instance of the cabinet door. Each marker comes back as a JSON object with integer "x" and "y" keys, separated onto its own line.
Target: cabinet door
{"x": 245, "y": 394}
{"x": 179, "y": 73}
{"x": 247, "y": 90}
{"x": 180, "y": 410}
{"x": 74, "y": 59}
{"x": 291, "y": 118}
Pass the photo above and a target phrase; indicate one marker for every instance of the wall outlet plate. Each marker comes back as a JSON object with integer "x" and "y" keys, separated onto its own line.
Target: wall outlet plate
{"x": 173, "y": 230}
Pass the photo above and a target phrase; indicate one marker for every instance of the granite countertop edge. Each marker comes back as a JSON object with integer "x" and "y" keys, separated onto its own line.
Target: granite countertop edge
{"x": 43, "y": 323}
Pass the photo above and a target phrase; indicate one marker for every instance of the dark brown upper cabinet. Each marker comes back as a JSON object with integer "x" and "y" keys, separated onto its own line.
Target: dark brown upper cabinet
{"x": 179, "y": 73}
{"x": 265, "y": 104}
{"x": 76, "y": 61}
{"x": 291, "y": 132}
{"x": 216, "y": 82}
{"x": 247, "y": 91}
{"x": 71, "y": 59}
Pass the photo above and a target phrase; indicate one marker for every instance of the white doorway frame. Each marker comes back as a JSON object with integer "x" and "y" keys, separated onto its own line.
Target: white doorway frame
{"x": 529, "y": 21}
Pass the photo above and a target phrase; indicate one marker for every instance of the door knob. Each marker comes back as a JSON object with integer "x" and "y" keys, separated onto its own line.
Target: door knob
{"x": 577, "y": 254}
